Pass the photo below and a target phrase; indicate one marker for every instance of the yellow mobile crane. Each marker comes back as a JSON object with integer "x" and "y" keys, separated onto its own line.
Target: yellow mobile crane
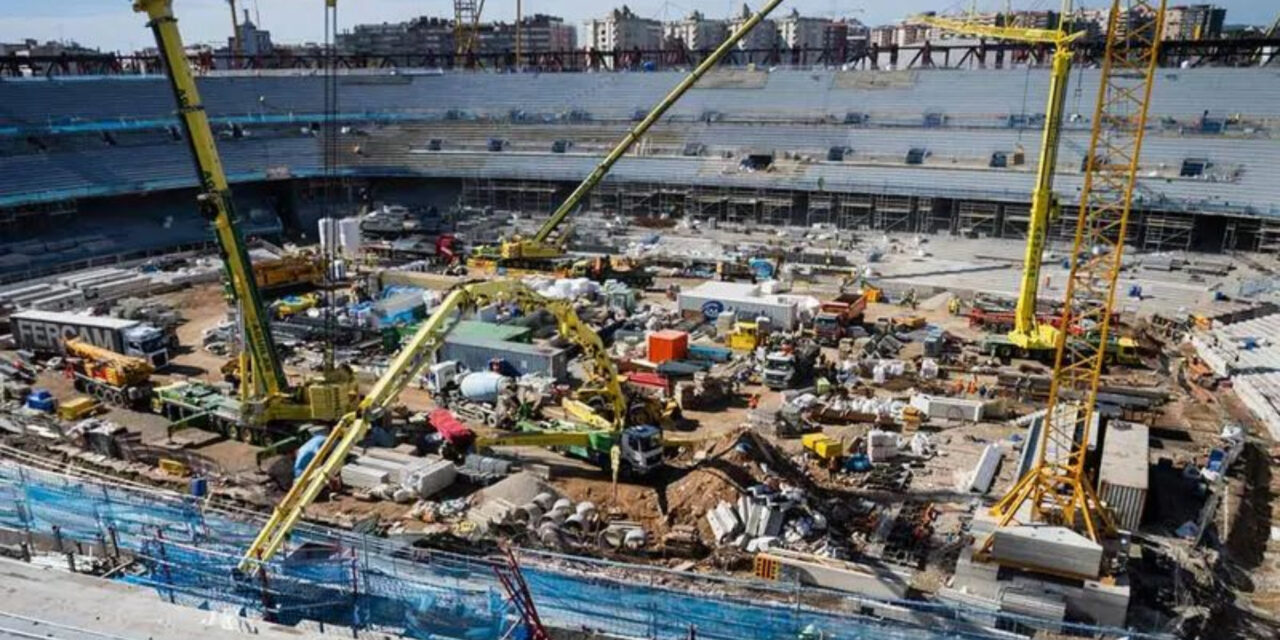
{"x": 265, "y": 394}
{"x": 542, "y": 253}
{"x": 638, "y": 447}
{"x": 1028, "y": 335}
{"x": 1057, "y": 490}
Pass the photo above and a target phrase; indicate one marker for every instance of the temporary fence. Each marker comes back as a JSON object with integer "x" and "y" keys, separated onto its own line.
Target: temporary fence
{"x": 188, "y": 551}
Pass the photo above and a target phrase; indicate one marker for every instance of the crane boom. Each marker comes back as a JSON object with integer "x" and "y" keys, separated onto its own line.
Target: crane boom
{"x": 265, "y": 376}
{"x": 1027, "y": 333}
{"x": 1056, "y": 489}
{"x": 538, "y": 246}
{"x": 406, "y": 367}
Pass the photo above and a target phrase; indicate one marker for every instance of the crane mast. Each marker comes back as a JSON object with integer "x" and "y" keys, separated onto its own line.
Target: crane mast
{"x": 1057, "y": 489}
{"x": 265, "y": 394}
{"x": 263, "y": 375}
{"x": 1027, "y": 333}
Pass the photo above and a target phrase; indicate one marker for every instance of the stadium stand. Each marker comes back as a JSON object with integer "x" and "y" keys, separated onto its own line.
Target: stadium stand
{"x": 77, "y": 139}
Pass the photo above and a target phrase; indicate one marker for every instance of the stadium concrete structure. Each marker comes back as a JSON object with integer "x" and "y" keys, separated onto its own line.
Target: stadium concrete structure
{"x": 93, "y": 168}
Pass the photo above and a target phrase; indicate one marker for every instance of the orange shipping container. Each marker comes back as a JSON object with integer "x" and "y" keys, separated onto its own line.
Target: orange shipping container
{"x": 668, "y": 345}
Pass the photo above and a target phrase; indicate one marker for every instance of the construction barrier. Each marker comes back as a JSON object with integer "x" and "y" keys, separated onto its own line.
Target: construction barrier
{"x": 188, "y": 550}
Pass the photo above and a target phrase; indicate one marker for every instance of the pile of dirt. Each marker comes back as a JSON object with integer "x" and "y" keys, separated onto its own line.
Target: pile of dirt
{"x": 722, "y": 470}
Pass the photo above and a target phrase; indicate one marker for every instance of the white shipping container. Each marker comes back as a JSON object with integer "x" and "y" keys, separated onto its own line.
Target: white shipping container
{"x": 341, "y": 235}
{"x": 746, "y": 301}
{"x": 1123, "y": 472}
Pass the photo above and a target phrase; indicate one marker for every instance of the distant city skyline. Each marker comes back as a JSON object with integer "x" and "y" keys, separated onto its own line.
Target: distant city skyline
{"x": 111, "y": 25}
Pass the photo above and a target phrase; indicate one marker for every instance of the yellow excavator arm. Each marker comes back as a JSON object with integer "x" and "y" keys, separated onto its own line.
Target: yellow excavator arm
{"x": 406, "y": 367}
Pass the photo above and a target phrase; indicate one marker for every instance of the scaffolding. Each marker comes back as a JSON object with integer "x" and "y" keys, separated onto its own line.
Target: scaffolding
{"x": 977, "y": 218}
{"x": 1269, "y": 237}
{"x": 855, "y": 211}
{"x": 750, "y": 206}
{"x": 531, "y": 196}
{"x": 893, "y": 213}
{"x": 1014, "y": 220}
{"x": 1164, "y": 231}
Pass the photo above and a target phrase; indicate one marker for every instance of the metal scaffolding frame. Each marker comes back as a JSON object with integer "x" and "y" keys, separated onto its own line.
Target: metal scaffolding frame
{"x": 977, "y": 218}
{"x": 1269, "y": 237}
{"x": 533, "y": 196}
{"x": 1152, "y": 230}
{"x": 1014, "y": 219}
{"x": 1164, "y": 231}
{"x": 893, "y": 213}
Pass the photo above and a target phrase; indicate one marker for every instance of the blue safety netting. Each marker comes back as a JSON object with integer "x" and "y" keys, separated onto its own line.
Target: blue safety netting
{"x": 189, "y": 551}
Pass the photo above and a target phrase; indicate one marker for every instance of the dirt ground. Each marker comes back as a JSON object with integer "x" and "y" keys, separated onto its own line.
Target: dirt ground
{"x": 716, "y": 467}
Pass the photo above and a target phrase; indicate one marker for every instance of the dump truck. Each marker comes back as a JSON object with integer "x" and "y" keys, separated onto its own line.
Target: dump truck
{"x": 789, "y": 370}
{"x": 48, "y": 331}
{"x": 835, "y": 318}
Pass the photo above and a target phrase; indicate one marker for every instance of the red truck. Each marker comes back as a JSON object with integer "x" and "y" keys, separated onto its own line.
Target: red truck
{"x": 836, "y": 317}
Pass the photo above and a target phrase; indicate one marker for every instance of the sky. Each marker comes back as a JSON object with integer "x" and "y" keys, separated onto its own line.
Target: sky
{"x": 112, "y": 26}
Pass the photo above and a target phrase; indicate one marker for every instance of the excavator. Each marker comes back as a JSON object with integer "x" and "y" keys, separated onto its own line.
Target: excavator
{"x": 265, "y": 395}
{"x": 544, "y": 253}
{"x": 600, "y": 404}
{"x": 1030, "y": 337}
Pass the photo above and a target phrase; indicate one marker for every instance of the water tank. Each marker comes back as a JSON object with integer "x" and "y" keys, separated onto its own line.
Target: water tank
{"x": 341, "y": 235}
{"x": 349, "y": 237}
{"x": 482, "y": 386}
{"x": 328, "y": 234}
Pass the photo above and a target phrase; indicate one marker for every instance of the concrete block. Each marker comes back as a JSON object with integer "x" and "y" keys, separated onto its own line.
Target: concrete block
{"x": 1040, "y": 605}
{"x": 1048, "y": 547}
{"x": 770, "y": 520}
{"x": 724, "y": 522}
{"x": 878, "y": 581}
{"x": 359, "y": 476}
{"x": 949, "y": 408}
{"x": 431, "y": 478}
{"x": 984, "y": 473}
{"x": 1104, "y": 604}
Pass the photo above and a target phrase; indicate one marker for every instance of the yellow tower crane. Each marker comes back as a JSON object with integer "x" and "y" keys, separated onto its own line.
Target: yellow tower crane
{"x": 1057, "y": 489}
{"x": 1028, "y": 335}
{"x": 466, "y": 25}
